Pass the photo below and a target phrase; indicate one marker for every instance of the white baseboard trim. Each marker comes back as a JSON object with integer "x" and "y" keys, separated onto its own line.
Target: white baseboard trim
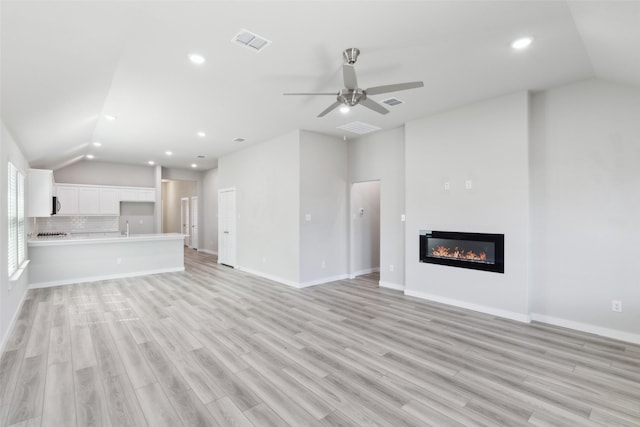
{"x": 3, "y": 342}
{"x": 207, "y": 251}
{"x": 291, "y": 283}
{"x": 389, "y": 285}
{"x": 268, "y": 276}
{"x": 105, "y": 277}
{"x": 586, "y": 327}
{"x": 324, "y": 280}
{"x": 365, "y": 271}
{"x": 520, "y": 317}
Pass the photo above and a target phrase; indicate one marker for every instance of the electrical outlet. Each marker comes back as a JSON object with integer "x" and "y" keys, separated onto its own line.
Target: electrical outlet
{"x": 119, "y": 260}
{"x": 324, "y": 264}
{"x": 468, "y": 184}
{"x": 616, "y": 306}
{"x": 264, "y": 259}
{"x": 447, "y": 186}
{"x": 391, "y": 267}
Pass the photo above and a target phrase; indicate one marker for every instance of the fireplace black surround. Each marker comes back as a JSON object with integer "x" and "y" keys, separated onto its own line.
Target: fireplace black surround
{"x": 478, "y": 251}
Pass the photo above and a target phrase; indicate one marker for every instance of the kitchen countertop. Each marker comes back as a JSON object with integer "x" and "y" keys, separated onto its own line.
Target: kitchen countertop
{"x": 95, "y": 238}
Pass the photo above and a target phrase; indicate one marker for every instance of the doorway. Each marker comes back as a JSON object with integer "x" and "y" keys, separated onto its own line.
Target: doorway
{"x": 365, "y": 228}
{"x": 194, "y": 222}
{"x": 184, "y": 220}
{"x": 227, "y": 227}
{"x": 178, "y": 214}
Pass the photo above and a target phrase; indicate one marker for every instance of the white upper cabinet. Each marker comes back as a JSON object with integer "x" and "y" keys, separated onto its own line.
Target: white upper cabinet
{"x": 68, "y": 199}
{"x": 128, "y": 195}
{"x": 76, "y": 199}
{"x": 138, "y": 195}
{"x": 39, "y": 192}
{"x": 147, "y": 195}
{"x": 109, "y": 201}
{"x": 89, "y": 201}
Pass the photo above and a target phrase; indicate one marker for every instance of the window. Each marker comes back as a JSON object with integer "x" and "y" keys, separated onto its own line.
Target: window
{"x": 16, "y": 219}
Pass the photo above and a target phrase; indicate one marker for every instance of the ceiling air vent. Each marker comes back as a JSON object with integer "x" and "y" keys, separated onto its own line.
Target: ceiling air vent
{"x": 251, "y": 40}
{"x": 392, "y": 102}
{"x": 359, "y": 127}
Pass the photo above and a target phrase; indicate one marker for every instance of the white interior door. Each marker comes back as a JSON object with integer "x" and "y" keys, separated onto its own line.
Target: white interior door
{"x": 227, "y": 227}
{"x": 184, "y": 220}
{"x": 194, "y": 222}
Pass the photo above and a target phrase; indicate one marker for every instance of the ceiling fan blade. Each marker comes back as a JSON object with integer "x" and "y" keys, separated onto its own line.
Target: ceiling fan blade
{"x": 311, "y": 93}
{"x": 376, "y": 90}
{"x": 373, "y": 105}
{"x": 349, "y": 76}
{"x": 331, "y": 108}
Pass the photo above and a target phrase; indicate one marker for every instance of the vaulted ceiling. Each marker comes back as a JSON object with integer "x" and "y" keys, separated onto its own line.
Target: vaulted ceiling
{"x": 67, "y": 64}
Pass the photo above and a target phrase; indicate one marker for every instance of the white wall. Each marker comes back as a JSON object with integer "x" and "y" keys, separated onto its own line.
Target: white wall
{"x": 487, "y": 143}
{"x": 172, "y": 194}
{"x": 323, "y": 196}
{"x": 365, "y": 227}
{"x": 189, "y": 175}
{"x": 585, "y": 194}
{"x": 381, "y": 157}
{"x": 11, "y": 293}
{"x": 266, "y": 179}
{"x": 140, "y": 216}
{"x": 209, "y": 220}
{"x": 103, "y": 173}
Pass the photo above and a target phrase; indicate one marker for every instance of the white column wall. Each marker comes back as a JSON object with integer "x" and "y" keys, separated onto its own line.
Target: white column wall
{"x": 486, "y": 143}
{"x": 585, "y": 194}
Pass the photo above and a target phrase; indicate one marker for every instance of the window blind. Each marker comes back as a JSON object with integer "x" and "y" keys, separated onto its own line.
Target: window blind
{"x": 21, "y": 219}
{"x": 16, "y": 240}
{"x": 13, "y": 218}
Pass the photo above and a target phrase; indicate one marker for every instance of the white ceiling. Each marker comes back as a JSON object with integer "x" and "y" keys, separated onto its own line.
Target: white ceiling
{"x": 66, "y": 64}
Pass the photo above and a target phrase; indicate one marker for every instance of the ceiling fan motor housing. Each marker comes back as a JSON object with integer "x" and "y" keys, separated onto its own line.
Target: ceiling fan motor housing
{"x": 351, "y": 55}
{"x": 351, "y": 97}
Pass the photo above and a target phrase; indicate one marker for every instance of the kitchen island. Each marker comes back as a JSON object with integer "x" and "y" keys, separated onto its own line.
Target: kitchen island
{"x": 89, "y": 258}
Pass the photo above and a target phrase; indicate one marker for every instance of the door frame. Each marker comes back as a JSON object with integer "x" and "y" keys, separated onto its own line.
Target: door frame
{"x": 193, "y": 214}
{"x": 220, "y": 228}
{"x": 183, "y": 224}
{"x": 352, "y": 218}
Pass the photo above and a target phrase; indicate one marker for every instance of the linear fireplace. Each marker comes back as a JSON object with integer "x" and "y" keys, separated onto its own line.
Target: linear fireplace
{"x": 478, "y": 251}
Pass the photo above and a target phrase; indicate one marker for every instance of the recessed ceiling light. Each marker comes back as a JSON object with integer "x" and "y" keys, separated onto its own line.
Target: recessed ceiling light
{"x": 196, "y": 58}
{"x": 344, "y": 109}
{"x": 151, "y": 162}
{"x": 201, "y": 134}
{"x": 522, "y": 43}
{"x": 90, "y": 156}
{"x": 193, "y": 165}
{"x": 97, "y": 144}
{"x": 169, "y": 153}
{"x": 239, "y": 140}
{"x": 109, "y": 117}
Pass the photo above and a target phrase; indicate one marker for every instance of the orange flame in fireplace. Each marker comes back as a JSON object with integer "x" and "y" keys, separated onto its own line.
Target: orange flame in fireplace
{"x": 443, "y": 251}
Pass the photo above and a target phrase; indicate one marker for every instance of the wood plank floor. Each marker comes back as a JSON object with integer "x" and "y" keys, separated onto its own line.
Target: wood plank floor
{"x": 217, "y": 347}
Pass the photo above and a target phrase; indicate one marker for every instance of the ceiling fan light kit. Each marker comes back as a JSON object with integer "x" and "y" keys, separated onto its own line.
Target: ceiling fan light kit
{"x": 351, "y": 95}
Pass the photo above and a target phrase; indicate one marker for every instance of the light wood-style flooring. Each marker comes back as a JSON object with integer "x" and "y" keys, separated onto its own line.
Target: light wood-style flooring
{"x": 217, "y": 347}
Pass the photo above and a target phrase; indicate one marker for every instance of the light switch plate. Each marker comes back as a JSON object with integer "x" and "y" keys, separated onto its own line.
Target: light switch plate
{"x": 307, "y": 217}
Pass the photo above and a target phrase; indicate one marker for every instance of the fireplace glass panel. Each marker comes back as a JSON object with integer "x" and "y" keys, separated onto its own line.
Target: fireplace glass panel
{"x": 467, "y": 250}
{"x": 478, "y": 251}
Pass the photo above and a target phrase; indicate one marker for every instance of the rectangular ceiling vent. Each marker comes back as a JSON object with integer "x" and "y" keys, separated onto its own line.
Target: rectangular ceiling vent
{"x": 251, "y": 40}
{"x": 392, "y": 102}
{"x": 359, "y": 127}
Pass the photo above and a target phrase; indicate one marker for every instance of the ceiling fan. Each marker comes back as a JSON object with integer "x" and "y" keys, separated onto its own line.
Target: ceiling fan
{"x": 352, "y": 95}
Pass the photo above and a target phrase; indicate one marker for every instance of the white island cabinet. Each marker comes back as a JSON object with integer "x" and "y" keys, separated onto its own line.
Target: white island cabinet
{"x": 88, "y": 258}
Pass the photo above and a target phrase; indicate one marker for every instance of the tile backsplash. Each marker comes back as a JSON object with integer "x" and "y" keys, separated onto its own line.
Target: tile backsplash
{"x": 77, "y": 224}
